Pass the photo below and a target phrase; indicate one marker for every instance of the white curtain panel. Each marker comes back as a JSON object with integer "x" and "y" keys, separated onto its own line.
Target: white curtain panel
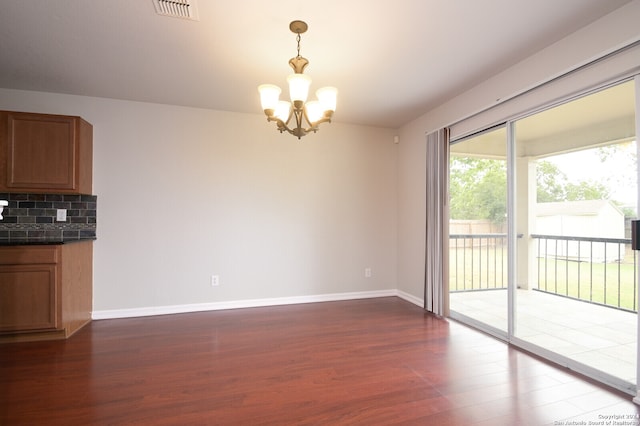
{"x": 436, "y": 280}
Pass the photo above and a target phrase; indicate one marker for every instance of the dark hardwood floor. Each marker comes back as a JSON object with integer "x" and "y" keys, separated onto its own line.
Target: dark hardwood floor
{"x": 374, "y": 362}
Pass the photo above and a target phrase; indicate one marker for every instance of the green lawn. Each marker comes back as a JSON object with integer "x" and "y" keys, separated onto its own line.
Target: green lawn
{"x": 596, "y": 282}
{"x": 477, "y": 269}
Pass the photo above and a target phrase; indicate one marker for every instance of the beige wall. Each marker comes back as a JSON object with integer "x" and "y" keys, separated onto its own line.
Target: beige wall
{"x": 185, "y": 193}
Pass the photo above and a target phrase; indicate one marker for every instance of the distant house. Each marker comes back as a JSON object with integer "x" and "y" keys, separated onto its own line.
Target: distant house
{"x": 590, "y": 219}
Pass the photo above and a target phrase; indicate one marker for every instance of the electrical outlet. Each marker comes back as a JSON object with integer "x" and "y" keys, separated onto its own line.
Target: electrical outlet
{"x": 367, "y": 272}
{"x": 215, "y": 280}
{"x": 61, "y": 215}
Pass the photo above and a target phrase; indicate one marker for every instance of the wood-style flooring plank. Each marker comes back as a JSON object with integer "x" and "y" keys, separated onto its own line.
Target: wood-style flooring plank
{"x": 371, "y": 362}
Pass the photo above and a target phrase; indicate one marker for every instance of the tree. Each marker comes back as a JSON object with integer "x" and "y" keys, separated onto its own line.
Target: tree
{"x": 550, "y": 182}
{"x": 478, "y": 188}
{"x": 586, "y": 190}
{"x": 553, "y": 185}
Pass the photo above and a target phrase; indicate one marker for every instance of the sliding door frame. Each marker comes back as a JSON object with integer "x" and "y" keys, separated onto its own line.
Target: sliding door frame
{"x": 509, "y": 336}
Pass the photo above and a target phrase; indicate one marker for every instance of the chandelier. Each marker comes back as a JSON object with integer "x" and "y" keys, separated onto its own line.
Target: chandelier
{"x": 308, "y": 115}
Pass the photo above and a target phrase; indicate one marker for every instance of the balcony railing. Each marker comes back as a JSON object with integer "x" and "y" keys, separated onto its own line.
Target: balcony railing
{"x": 477, "y": 262}
{"x": 595, "y": 270}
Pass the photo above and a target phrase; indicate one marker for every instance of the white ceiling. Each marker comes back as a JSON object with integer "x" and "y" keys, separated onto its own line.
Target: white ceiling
{"x": 391, "y": 61}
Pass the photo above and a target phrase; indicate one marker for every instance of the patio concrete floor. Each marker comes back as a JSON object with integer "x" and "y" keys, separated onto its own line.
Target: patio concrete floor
{"x": 600, "y": 337}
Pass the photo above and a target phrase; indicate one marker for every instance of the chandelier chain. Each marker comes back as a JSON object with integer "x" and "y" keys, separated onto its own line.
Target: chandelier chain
{"x": 298, "y": 40}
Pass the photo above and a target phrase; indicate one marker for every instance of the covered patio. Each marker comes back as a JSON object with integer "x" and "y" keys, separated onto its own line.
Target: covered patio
{"x": 598, "y": 336}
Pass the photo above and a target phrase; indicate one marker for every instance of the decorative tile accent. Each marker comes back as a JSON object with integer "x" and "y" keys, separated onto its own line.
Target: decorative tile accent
{"x": 32, "y": 217}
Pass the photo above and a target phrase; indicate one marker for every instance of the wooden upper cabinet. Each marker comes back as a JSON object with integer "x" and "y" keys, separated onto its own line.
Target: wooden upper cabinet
{"x": 45, "y": 153}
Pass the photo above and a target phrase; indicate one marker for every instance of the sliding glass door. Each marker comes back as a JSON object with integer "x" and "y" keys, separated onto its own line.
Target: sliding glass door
{"x": 562, "y": 186}
{"x": 576, "y": 194}
{"x": 477, "y": 229}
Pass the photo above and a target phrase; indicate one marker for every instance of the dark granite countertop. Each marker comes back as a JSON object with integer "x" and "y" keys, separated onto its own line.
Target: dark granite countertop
{"x": 41, "y": 242}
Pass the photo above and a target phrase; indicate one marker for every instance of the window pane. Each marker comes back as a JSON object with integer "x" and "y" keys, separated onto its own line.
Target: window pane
{"x": 576, "y": 192}
{"x": 477, "y": 229}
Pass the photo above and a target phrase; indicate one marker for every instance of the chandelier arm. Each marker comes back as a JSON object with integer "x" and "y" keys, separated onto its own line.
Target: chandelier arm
{"x": 306, "y": 117}
{"x": 283, "y": 126}
{"x": 299, "y": 131}
{"x": 300, "y": 115}
{"x": 314, "y": 126}
{"x": 286, "y": 123}
{"x": 326, "y": 118}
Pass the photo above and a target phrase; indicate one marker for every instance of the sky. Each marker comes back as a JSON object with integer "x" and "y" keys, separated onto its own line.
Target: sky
{"x": 618, "y": 172}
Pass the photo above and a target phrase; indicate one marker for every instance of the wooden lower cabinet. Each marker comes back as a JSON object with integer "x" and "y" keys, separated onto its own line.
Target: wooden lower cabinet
{"x": 45, "y": 290}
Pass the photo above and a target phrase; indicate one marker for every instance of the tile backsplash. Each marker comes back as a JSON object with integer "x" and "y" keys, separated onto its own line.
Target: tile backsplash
{"x": 32, "y": 217}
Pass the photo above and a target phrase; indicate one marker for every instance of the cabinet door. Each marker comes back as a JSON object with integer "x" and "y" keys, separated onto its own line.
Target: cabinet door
{"x": 41, "y": 151}
{"x": 28, "y": 297}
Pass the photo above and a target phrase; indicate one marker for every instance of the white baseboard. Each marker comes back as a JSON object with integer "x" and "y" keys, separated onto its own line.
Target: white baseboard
{"x": 237, "y": 304}
{"x": 410, "y": 298}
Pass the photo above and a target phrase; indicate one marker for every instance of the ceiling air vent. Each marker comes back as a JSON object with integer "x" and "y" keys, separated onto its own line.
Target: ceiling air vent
{"x": 185, "y": 9}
